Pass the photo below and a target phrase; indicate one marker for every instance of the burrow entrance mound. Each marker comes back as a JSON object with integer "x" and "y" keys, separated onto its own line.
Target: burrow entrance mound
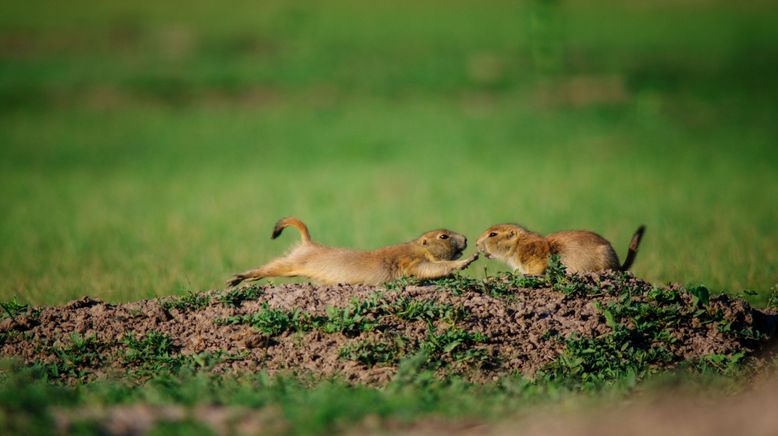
{"x": 580, "y": 328}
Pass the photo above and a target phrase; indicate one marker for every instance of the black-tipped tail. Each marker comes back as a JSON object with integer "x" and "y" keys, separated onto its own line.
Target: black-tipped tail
{"x": 293, "y": 222}
{"x": 633, "y": 248}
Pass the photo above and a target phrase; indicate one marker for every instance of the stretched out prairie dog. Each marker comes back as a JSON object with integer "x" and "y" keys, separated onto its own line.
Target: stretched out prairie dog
{"x": 432, "y": 255}
{"x": 579, "y": 251}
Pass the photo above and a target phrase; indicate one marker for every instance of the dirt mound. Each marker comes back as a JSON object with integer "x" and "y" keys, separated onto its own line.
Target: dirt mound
{"x": 559, "y": 326}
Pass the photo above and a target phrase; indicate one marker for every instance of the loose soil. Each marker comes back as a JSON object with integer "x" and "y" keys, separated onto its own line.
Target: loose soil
{"x": 522, "y": 331}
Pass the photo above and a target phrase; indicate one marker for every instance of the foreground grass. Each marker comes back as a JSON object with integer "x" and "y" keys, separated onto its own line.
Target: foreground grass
{"x": 287, "y": 404}
{"x": 158, "y": 388}
{"x": 148, "y": 149}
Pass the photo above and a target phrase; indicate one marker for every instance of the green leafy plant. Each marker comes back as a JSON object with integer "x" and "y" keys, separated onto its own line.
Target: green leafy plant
{"x": 190, "y": 302}
{"x": 401, "y": 283}
{"x": 556, "y": 276}
{"x": 594, "y": 362}
{"x": 641, "y": 321}
{"x": 499, "y": 287}
{"x": 154, "y": 347}
{"x": 359, "y": 316}
{"x": 76, "y": 359}
{"x": 523, "y": 281}
{"x": 273, "y": 322}
{"x": 236, "y": 297}
{"x": 409, "y": 309}
{"x": 12, "y": 308}
{"x": 700, "y": 295}
{"x": 156, "y": 353}
{"x": 772, "y": 300}
{"x": 455, "y": 343}
{"x": 728, "y": 364}
{"x": 457, "y": 284}
{"x": 373, "y": 352}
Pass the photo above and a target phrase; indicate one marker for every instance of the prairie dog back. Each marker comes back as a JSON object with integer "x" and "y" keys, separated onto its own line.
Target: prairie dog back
{"x": 583, "y": 251}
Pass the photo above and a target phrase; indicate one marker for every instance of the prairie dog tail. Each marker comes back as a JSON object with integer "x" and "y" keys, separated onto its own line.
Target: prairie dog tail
{"x": 633, "y": 248}
{"x": 294, "y": 222}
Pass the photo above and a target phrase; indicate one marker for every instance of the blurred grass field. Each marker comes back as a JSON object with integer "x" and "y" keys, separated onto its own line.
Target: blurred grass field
{"x": 147, "y": 148}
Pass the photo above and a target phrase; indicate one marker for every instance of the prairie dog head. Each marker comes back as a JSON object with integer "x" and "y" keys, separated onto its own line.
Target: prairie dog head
{"x": 499, "y": 242}
{"x": 443, "y": 244}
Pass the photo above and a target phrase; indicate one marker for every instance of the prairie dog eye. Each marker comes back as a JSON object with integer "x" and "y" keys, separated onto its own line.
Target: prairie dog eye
{"x": 444, "y": 236}
{"x": 492, "y": 235}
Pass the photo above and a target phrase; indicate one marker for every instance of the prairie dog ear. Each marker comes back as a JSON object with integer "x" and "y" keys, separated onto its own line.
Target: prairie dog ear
{"x": 424, "y": 241}
{"x": 512, "y": 233}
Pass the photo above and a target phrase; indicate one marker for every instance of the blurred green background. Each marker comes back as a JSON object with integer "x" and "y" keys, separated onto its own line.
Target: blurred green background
{"x": 147, "y": 148}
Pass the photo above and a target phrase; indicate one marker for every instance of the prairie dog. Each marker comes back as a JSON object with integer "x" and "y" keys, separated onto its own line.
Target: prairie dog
{"x": 579, "y": 251}
{"x": 431, "y": 255}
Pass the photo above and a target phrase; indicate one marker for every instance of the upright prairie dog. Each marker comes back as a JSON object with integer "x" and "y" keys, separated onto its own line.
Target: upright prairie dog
{"x": 430, "y": 256}
{"x": 579, "y": 251}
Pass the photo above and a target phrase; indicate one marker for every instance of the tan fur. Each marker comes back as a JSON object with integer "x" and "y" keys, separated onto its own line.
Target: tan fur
{"x": 432, "y": 255}
{"x": 528, "y": 252}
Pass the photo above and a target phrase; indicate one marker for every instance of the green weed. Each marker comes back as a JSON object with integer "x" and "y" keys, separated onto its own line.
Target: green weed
{"x": 590, "y": 363}
{"x": 700, "y": 295}
{"x": 521, "y": 280}
{"x": 77, "y": 359}
{"x": 154, "y": 347}
{"x": 358, "y": 316}
{"x": 272, "y": 322}
{"x": 401, "y": 283}
{"x": 502, "y": 285}
{"x": 374, "y": 352}
{"x": 155, "y": 353}
{"x": 726, "y": 364}
{"x": 236, "y": 297}
{"x": 641, "y": 322}
{"x": 772, "y": 300}
{"x": 12, "y": 308}
{"x": 499, "y": 287}
{"x": 192, "y": 301}
{"x": 556, "y": 276}
{"x": 456, "y": 284}
{"x": 455, "y": 343}
{"x": 409, "y": 309}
